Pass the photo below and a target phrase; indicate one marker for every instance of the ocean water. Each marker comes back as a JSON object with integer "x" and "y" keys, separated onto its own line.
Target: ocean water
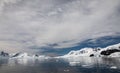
{"x": 81, "y": 65}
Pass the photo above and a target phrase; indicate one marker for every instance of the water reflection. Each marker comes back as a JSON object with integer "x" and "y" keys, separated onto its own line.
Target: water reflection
{"x": 74, "y": 65}
{"x": 24, "y": 61}
{"x": 89, "y": 62}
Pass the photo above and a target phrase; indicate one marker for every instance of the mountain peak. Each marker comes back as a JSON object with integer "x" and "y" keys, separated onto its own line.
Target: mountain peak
{"x": 97, "y": 52}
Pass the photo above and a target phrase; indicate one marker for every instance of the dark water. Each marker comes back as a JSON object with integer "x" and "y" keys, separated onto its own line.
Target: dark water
{"x": 82, "y": 65}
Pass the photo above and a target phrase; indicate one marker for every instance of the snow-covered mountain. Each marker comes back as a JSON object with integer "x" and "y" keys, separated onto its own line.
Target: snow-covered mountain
{"x": 22, "y": 56}
{"x": 27, "y": 56}
{"x": 110, "y": 51}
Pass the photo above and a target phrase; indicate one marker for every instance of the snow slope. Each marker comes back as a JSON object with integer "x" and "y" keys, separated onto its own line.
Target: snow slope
{"x": 110, "y": 51}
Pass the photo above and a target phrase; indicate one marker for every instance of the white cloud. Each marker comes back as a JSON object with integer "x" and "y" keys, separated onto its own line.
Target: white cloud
{"x": 39, "y": 23}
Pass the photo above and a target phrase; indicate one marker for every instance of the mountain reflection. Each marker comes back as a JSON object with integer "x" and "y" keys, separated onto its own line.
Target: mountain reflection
{"x": 53, "y": 65}
{"x": 92, "y": 62}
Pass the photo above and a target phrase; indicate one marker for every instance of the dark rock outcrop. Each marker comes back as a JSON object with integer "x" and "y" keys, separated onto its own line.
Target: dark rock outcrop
{"x": 17, "y": 54}
{"x": 92, "y": 55}
{"x": 109, "y": 51}
{"x": 4, "y": 54}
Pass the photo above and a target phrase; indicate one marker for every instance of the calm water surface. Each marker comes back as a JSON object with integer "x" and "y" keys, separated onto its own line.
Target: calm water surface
{"x": 82, "y": 65}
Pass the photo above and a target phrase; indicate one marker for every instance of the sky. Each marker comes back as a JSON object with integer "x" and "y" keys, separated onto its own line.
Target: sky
{"x": 57, "y": 26}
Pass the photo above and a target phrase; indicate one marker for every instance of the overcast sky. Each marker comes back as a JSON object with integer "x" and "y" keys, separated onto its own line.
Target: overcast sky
{"x": 29, "y": 24}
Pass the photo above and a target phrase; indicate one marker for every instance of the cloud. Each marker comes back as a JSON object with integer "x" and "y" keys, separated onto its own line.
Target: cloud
{"x": 41, "y": 23}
